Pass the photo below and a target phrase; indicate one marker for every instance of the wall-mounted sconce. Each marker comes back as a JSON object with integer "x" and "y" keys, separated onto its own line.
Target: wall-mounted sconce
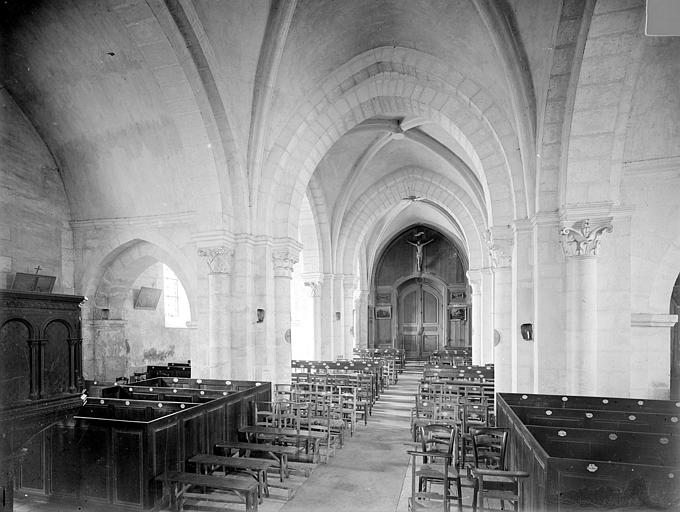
{"x": 527, "y": 331}
{"x": 260, "y": 315}
{"x": 337, "y": 315}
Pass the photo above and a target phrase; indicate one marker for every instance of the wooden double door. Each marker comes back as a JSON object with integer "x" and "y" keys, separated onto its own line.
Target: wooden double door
{"x": 420, "y": 319}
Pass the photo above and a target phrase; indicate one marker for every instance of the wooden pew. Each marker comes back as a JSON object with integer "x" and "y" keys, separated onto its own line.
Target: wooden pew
{"x": 176, "y": 485}
{"x": 599, "y": 420}
{"x": 593, "y": 402}
{"x": 593, "y": 456}
{"x": 630, "y": 447}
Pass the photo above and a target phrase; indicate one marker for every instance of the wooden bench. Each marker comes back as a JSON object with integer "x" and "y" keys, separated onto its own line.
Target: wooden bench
{"x": 277, "y": 452}
{"x": 257, "y": 468}
{"x": 310, "y": 438}
{"x": 176, "y": 484}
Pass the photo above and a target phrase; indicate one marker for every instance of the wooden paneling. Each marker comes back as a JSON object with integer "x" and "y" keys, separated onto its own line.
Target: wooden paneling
{"x": 55, "y": 360}
{"x": 128, "y": 468}
{"x": 14, "y": 362}
{"x": 111, "y": 451}
{"x": 592, "y": 457}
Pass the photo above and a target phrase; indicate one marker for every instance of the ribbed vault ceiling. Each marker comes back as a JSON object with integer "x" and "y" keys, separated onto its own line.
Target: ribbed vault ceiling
{"x": 158, "y": 107}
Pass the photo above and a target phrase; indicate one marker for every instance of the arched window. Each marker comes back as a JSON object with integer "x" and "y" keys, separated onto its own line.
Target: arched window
{"x": 176, "y": 303}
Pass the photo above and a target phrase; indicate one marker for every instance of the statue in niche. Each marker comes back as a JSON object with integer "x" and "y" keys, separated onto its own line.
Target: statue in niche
{"x": 419, "y": 250}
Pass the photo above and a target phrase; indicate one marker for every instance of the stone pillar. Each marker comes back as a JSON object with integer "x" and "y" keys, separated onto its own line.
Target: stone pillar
{"x": 500, "y": 250}
{"x": 486, "y": 327}
{"x": 348, "y": 287}
{"x": 523, "y": 307}
{"x": 650, "y": 375}
{"x": 475, "y": 280}
{"x": 328, "y": 317}
{"x": 550, "y": 373}
{"x": 219, "y": 260}
{"x": 581, "y": 244}
{"x": 337, "y": 318}
{"x": 361, "y": 325}
{"x": 283, "y": 268}
{"x": 315, "y": 293}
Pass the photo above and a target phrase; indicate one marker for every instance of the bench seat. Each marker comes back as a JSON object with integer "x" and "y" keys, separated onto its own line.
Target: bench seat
{"x": 177, "y": 483}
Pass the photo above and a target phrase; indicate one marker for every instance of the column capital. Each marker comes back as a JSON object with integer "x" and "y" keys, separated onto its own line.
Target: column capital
{"x": 284, "y": 261}
{"x": 582, "y": 238}
{"x": 500, "y": 244}
{"x": 314, "y": 288}
{"x": 219, "y": 258}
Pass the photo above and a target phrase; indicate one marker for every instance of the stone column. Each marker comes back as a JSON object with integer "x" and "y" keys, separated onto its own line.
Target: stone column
{"x": 361, "y": 327}
{"x": 348, "y": 287}
{"x": 549, "y": 306}
{"x": 581, "y": 243}
{"x": 315, "y": 293}
{"x": 500, "y": 250}
{"x": 283, "y": 268}
{"x": 219, "y": 260}
{"x": 475, "y": 280}
{"x": 651, "y": 366}
{"x": 486, "y": 327}
{"x": 328, "y": 317}
{"x": 522, "y": 307}
{"x": 337, "y": 318}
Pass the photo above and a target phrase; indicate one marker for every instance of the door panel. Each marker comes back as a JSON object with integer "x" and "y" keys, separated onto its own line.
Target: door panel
{"x": 408, "y": 322}
{"x": 419, "y": 320}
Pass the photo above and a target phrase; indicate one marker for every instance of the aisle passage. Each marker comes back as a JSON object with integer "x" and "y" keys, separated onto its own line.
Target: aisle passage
{"x": 368, "y": 473}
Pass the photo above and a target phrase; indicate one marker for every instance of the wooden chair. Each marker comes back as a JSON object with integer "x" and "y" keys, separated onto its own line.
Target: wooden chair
{"x": 438, "y": 454}
{"x": 497, "y": 484}
{"x": 491, "y": 478}
{"x": 424, "y": 413}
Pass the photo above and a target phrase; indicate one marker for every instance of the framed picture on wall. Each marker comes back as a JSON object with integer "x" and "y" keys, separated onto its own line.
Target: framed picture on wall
{"x": 458, "y": 313}
{"x": 147, "y": 297}
{"x": 383, "y": 312}
{"x": 456, "y": 295}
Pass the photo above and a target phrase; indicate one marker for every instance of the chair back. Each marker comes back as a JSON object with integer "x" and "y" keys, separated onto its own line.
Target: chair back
{"x": 489, "y": 446}
{"x": 442, "y": 439}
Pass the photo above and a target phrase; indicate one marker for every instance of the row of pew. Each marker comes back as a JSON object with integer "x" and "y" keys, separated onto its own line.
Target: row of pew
{"x": 594, "y": 451}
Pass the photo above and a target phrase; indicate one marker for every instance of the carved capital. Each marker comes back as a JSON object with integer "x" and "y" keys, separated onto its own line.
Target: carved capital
{"x": 500, "y": 250}
{"x": 582, "y": 239}
{"x": 284, "y": 260}
{"x": 219, "y": 259}
{"x": 314, "y": 288}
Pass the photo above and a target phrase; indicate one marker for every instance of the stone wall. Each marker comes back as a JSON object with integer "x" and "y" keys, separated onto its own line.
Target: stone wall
{"x": 33, "y": 206}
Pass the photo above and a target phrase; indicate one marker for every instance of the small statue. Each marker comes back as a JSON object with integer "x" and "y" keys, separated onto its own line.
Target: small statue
{"x": 419, "y": 252}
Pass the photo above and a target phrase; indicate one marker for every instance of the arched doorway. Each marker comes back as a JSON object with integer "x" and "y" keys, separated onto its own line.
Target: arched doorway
{"x": 420, "y": 318}
{"x": 420, "y": 299}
